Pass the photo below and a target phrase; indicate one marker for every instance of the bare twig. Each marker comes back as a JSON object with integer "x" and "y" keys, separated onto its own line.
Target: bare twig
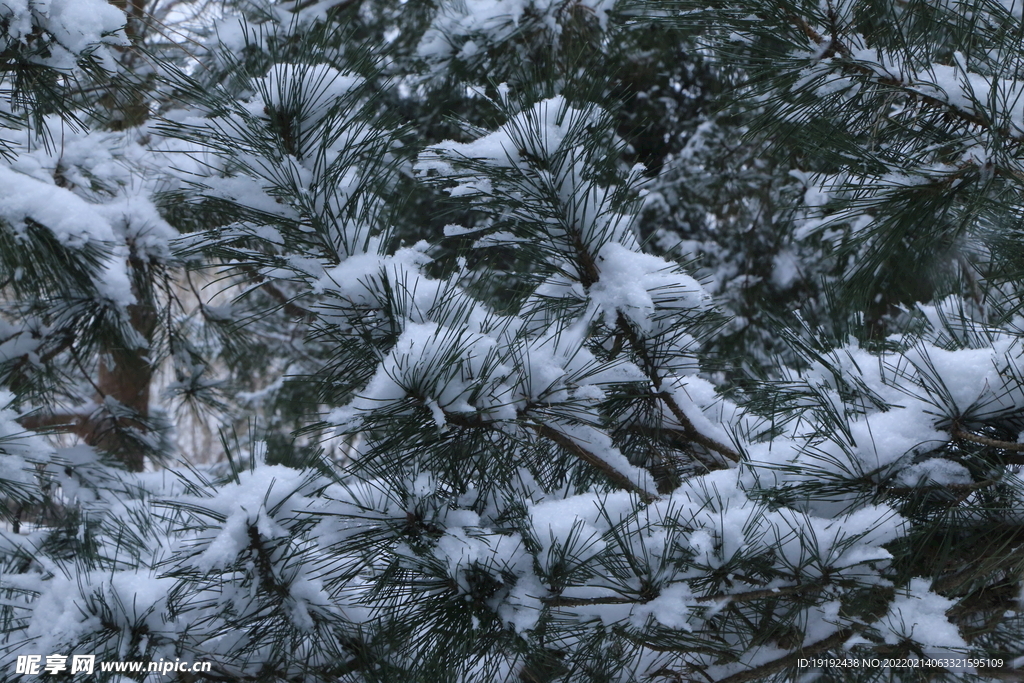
{"x": 55, "y": 421}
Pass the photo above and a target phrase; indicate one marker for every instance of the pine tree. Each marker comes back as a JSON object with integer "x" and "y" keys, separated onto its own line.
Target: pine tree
{"x": 539, "y": 480}
{"x": 86, "y": 254}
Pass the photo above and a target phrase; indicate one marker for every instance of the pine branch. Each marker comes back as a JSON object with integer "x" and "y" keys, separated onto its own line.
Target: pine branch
{"x": 748, "y": 596}
{"x": 652, "y": 373}
{"x": 681, "y": 435}
{"x": 590, "y": 275}
{"x": 984, "y": 565}
{"x": 616, "y": 477}
{"x": 619, "y": 479}
{"x": 288, "y": 305}
{"x": 790, "y": 660}
{"x": 836, "y": 46}
{"x": 986, "y": 441}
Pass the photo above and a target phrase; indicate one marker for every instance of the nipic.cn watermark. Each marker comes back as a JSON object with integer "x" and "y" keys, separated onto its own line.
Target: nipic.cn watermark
{"x": 51, "y": 665}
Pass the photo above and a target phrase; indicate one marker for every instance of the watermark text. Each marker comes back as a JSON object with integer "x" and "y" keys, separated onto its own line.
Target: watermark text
{"x": 38, "y": 665}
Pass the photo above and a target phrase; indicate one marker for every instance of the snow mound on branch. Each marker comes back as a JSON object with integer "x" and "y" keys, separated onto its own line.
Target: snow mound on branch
{"x": 957, "y": 85}
{"x": 635, "y": 284}
{"x": 895, "y": 413}
{"x": 671, "y": 608}
{"x": 461, "y": 28}
{"x": 72, "y": 220}
{"x": 94, "y": 163}
{"x": 535, "y": 133}
{"x": 252, "y": 504}
{"x": 72, "y": 27}
{"x": 936, "y": 471}
{"x": 450, "y": 370}
{"x": 78, "y": 24}
{"x": 71, "y": 608}
{"x": 547, "y": 148}
{"x": 18, "y": 446}
{"x": 308, "y": 91}
{"x": 355, "y": 278}
{"x": 883, "y": 438}
{"x": 920, "y": 615}
{"x": 138, "y": 221}
{"x": 715, "y": 524}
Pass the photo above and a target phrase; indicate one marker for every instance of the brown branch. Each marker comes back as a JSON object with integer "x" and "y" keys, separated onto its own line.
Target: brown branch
{"x": 287, "y": 304}
{"x": 776, "y": 665}
{"x": 650, "y": 369}
{"x": 963, "y": 490}
{"x": 560, "y": 601}
{"x": 616, "y": 477}
{"x": 676, "y": 435}
{"x": 985, "y": 441}
{"x": 763, "y": 593}
{"x": 68, "y": 422}
{"x": 836, "y": 46}
{"x": 984, "y": 566}
{"x": 747, "y": 596}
